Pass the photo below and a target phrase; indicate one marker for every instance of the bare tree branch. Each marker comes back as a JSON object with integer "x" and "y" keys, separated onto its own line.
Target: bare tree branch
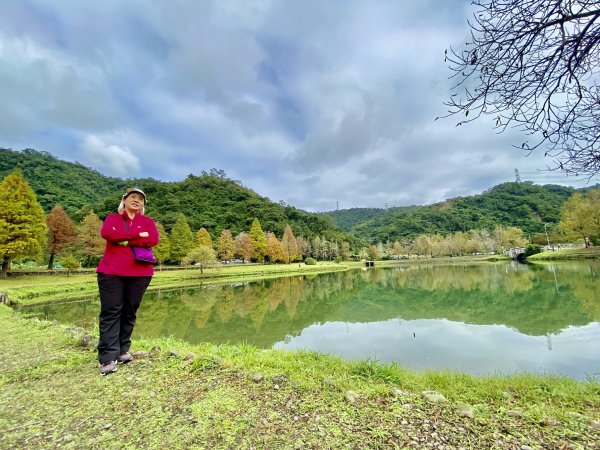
{"x": 535, "y": 65}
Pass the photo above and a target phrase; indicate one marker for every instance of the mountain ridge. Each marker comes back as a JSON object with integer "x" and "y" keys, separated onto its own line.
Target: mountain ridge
{"x": 213, "y": 201}
{"x": 209, "y": 200}
{"x": 524, "y": 205}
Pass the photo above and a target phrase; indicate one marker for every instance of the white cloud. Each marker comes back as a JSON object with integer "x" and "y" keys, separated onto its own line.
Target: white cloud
{"x": 274, "y": 93}
{"x": 109, "y": 158}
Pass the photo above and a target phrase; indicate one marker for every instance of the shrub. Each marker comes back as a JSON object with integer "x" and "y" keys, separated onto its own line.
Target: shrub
{"x": 532, "y": 249}
{"x": 71, "y": 263}
{"x": 310, "y": 261}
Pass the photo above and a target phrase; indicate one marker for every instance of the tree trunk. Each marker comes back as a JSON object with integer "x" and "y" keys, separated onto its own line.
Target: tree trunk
{"x": 5, "y": 267}
{"x": 51, "y": 261}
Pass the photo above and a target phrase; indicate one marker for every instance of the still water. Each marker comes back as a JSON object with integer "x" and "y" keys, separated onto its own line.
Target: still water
{"x": 482, "y": 319}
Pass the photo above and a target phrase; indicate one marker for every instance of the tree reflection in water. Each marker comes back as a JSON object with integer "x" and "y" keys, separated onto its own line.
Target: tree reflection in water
{"x": 534, "y": 300}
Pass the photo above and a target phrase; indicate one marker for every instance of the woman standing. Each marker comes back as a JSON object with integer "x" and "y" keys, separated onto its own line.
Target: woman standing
{"x": 122, "y": 280}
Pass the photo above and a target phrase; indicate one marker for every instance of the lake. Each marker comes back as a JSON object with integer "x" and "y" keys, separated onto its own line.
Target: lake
{"x": 479, "y": 319}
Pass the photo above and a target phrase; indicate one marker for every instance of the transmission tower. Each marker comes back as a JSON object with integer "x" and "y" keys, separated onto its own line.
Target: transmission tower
{"x": 517, "y": 177}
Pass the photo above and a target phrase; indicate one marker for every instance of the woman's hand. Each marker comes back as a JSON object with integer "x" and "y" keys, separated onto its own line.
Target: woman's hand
{"x": 144, "y": 234}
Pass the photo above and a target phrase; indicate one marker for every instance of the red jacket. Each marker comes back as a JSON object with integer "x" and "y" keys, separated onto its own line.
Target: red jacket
{"x": 118, "y": 259}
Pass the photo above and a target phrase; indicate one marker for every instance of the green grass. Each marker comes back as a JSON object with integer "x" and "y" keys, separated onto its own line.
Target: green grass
{"x": 566, "y": 253}
{"x": 242, "y": 397}
{"x": 26, "y": 288}
{"x": 34, "y": 289}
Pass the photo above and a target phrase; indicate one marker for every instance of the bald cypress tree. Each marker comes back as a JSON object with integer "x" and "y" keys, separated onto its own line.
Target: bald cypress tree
{"x": 61, "y": 232}
{"x": 225, "y": 245}
{"x": 182, "y": 239}
{"x": 259, "y": 241}
{"x": 22, "y": 225}
{"x": 203, "y": 239}
{"x": 90, "y": 242}
{"x": 290, "y": 245}
{"x": 163, "y": 249}
{"x": 243, "y": 247}
{"x": 275, "y": 251}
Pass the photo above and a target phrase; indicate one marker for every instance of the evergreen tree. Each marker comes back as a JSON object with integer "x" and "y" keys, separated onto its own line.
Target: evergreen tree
{"x": 290, "y": 245}
{"x": 162, "y": 251}
{"x": 203, "y": 239}
{"x": 225, "y": 245}
{"x": 259, "y": 241}
{"x": 182, "y": 239}
{"x": 61, "y": 232}
{"x": 89, "y": 240}
{"x": 22, "y": 226}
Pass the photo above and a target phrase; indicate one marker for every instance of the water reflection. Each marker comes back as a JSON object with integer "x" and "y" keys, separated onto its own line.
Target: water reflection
{"x": 481, "y": 319}
{"x": 442, "y": 344}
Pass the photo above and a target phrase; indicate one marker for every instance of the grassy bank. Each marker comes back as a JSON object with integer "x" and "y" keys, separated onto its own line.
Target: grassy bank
{"x": 566, "y": 254}
{"x": 39, "y": 288}
{"x": 28, "y": 288}
{"x": 216, "y": 397}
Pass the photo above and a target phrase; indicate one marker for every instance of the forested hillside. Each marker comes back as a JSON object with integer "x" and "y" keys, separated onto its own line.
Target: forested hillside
{"x": 347, "y": 219}
{"x": 210, "y": 200}
{"x": 71, "y": 185}
{"x": 524, "y": 205}
{"x": 215, "y": 202}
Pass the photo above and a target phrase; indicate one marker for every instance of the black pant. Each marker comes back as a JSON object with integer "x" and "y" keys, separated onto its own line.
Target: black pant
{"x": 120, "y": 298}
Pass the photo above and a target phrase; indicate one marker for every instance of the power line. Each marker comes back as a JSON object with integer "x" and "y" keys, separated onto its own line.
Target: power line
{"x": 559, "y": 180}
{"x": 541, "y": 177}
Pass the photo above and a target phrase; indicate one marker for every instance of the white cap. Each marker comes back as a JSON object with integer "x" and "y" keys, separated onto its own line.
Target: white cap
{"x": 121, "y": 207}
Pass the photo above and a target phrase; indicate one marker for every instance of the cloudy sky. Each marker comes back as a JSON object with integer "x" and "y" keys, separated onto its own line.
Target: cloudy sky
{"x": 317, "y": 103}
